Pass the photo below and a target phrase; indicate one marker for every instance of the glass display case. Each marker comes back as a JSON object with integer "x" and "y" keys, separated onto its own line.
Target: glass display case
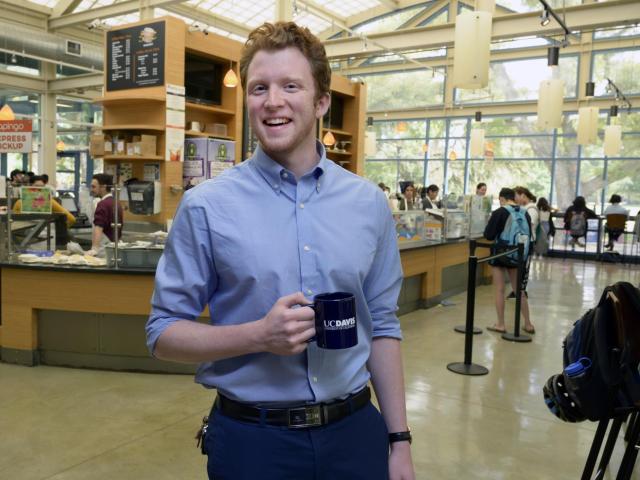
{"x": 479, "y": 210}
{"x": 456, "y": 219}
{"x": 410, "y": 226}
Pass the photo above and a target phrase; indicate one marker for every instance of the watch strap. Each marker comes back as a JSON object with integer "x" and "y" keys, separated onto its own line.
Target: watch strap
{"x": 400, "y": 437}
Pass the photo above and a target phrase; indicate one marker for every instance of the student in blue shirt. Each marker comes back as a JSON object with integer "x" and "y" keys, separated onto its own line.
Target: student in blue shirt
{"x": 254, "y": 245}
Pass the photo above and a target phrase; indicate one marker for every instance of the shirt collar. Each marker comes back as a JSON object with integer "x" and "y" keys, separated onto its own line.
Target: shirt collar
{"x": 275, "y": 174}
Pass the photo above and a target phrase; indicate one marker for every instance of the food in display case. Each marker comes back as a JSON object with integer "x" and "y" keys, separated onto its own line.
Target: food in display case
{"x": 433, "y": 225}
{"x": 410, "y": 225}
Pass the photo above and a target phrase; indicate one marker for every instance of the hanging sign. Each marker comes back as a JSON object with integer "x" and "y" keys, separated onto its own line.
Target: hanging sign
{"x": 135, "y": 57}
{"x": 15, "y": 136}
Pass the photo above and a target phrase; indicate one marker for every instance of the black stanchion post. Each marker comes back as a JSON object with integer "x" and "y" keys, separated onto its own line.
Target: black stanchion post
{"x": 468, "y": 368}
{"x": 472, "y": 254}
{"x": 515, "y": 336}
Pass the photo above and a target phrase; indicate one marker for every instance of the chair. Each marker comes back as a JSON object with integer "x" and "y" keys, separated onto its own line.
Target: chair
{"x": 615, "y": 226}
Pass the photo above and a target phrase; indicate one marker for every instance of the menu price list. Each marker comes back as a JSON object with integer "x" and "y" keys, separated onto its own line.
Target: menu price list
{"x": 135, "y": 57}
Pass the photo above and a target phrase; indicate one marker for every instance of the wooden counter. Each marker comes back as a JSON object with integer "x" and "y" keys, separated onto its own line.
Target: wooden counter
{"x": 95, "y": 318}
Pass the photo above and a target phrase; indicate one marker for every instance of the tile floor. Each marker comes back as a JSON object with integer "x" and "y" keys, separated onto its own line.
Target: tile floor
{"x": 68, "y": 424}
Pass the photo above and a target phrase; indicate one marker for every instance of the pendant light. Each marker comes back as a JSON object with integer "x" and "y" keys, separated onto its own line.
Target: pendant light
{"x": 612, "y": 134}
{"x": 230, "y": 78}
{"x": 588, "y": 119}
{"x": 472, "y": 42}
{"x": 6, "y": 113}
{"x": 370, "y": 148}
{"x": 551, "y": 94}
{"x": 328, "y": 140}
{"x": 476, "y": 140}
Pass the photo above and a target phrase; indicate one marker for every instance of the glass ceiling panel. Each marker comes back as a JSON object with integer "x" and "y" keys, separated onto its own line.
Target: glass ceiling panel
{"x": 346, "y": 8}
{"x": 390, "y": 22}
{"x": 46, "y": 3}
{"x": 122, "y": 19}
{"x": 88, "y": 4}
{"x": 534, "y": 5}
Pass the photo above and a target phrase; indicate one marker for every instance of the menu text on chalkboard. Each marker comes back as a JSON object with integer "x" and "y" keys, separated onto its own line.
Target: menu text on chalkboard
{"x": 135, "y": 57}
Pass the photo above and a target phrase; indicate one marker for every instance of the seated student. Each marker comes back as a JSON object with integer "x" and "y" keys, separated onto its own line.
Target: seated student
{"x": 575, "y": 220}
{"x": 430, "y": 199}
{"x": 614, "y": 209}
{"x": 55, "y": 206}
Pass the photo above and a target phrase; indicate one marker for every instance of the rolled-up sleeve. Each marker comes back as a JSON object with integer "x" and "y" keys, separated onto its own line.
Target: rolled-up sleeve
{"x": 383, "y": 283}
{"x": 185, "y": 277}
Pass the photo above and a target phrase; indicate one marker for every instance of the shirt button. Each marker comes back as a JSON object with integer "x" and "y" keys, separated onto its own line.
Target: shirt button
{"x": 302, "y": 205}
{"x": 309, "y": 292}
{"x": 285, "y": 174}
{"x": 306, "y": 248}
{"x": 275, "y": 185}
{"x": 315, "y": 379}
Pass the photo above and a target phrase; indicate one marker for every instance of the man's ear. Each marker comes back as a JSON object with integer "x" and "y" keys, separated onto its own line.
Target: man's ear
{"x": 322, "y": 105}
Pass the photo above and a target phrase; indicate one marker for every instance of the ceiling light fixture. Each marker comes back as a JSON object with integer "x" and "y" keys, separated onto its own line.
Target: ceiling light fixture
{"x": 547, "y": 13}
{"x": 230, "y": 78}
{"x": 619, "y": 96}
{"x": 551, "y": 94}
{"x": 476, "y": 140}
{"x": 544, "y": 18}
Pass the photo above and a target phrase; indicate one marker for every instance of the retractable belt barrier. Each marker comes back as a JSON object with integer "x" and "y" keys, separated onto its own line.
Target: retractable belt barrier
{"x": 467, "y": 367}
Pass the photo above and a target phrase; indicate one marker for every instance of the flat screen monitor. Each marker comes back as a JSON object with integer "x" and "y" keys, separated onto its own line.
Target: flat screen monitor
{"x": 333, "y": 117}
{"x": 203, "y": 79}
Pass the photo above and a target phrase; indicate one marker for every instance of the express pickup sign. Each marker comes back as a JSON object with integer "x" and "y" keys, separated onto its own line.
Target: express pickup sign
{"x": 15, "y": 136}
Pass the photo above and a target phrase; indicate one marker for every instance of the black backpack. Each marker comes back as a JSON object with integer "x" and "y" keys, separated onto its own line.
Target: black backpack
{"x": 601, "y": 358}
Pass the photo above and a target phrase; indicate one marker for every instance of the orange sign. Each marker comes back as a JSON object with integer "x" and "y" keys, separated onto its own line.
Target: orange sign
{"x": 15, "y": 136}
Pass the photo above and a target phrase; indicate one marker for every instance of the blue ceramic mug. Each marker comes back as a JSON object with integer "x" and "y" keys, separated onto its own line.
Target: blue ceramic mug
{"x": 336, "y": 326}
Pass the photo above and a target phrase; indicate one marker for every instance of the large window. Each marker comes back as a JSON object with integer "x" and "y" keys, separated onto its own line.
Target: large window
{"x": 397, "y": 90}
{"x": 519, "y": 80}
{"x": 550, "y": 164}
{"x": 621, "y": 66}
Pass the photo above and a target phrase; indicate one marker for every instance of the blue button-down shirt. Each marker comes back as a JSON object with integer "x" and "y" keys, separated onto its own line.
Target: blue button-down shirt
{"x": 254, "y": 234}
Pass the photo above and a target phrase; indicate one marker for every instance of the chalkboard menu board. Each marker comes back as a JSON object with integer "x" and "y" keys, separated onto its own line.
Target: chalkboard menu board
{"x": 135, "y": 57}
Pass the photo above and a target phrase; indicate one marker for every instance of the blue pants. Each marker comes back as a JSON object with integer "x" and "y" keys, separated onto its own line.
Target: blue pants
{"x": 354, "y": 448}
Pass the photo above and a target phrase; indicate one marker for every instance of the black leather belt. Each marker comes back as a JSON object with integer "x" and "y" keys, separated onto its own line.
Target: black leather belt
{"x": 303, "y": 416}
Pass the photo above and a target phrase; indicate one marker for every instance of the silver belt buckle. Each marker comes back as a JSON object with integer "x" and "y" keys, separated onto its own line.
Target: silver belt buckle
{"x": 305, "y": 417}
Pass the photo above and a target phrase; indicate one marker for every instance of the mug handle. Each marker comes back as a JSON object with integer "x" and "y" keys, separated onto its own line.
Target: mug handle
{"x": 312, "y": 306}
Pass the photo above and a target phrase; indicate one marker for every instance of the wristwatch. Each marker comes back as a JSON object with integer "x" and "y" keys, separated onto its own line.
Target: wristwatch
{"x": 400, "y": 437}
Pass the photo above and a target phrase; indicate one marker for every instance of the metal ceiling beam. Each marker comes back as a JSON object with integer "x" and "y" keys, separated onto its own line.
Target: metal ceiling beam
{"x": 109, "y": 11}
{"x": 210, "y": 19}
{"x": 426, "y": 13}
{"x": 390, "y": 4}
{"x": 29, "y": 6}
{"x": 76, "y": 82}
{"x": 21, "y": 82}
{"x": 323, "y": 13}
{"x": 581, "y": 17}
{"x": 64, "y": 7}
